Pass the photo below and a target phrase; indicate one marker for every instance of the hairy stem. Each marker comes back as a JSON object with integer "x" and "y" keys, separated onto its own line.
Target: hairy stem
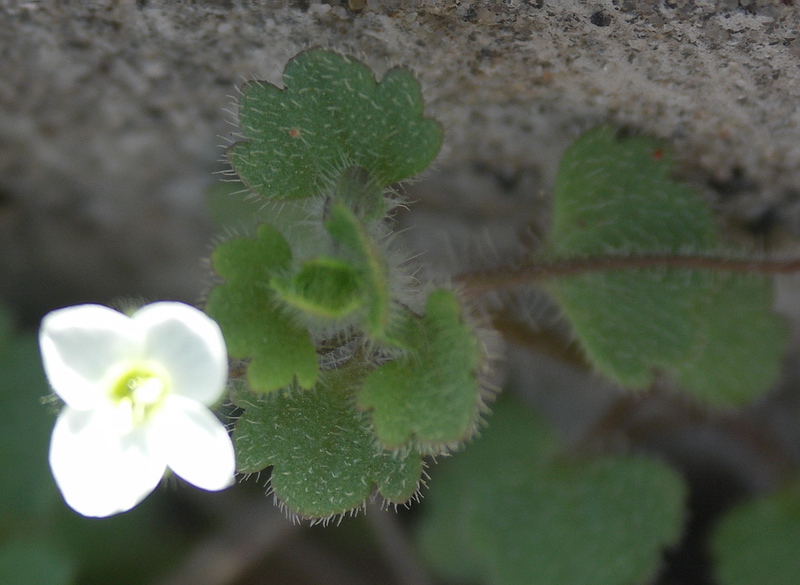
{"x": 476, "y": 284}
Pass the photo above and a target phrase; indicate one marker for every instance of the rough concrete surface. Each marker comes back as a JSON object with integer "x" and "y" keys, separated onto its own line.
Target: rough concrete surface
{"x": 113, "y": 113}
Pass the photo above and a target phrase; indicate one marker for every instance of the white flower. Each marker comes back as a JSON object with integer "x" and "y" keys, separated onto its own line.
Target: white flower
{"x": 136, "y": 392}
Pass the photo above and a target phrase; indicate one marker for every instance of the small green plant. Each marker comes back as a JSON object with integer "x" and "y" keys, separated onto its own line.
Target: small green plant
{"x": 351, "y": 375}
{"x": 345, "y": 356}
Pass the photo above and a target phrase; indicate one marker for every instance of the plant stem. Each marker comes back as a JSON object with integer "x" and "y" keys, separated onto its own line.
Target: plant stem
{"x": 476, "y": 284}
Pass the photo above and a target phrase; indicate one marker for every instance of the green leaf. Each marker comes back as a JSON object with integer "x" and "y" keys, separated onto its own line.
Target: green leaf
{"x": 325, "y": 287}
{"x": 713, "y": 331}
{"x": 359, "y": 192}
{"x": 630, "y": 323}
{"x": 350, "y": 275}
{"x": 331, "y": 114}
{"x": 360, "y": 248}
{"x": 430, "y": 395}
{"x": 325, "y": 458}
{"x": 514, "y": 512}
{"x": 615, "y": 197}
{"x": 757, "y": 541}
{"x": 253, "y": 323}
{"x": 740, "y": 350}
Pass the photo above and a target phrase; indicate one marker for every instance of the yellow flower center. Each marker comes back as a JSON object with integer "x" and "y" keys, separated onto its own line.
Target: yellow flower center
{"x": 137, "y": 394}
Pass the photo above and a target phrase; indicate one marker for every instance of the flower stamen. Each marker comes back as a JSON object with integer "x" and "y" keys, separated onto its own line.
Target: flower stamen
{"x": 138, "y": 393}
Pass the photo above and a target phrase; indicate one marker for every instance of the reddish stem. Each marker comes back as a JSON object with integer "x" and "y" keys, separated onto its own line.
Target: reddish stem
{"x": 476, "y": 284}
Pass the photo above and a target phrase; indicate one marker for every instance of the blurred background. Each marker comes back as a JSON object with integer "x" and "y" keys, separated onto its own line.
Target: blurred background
{"x": 114, "y": 118}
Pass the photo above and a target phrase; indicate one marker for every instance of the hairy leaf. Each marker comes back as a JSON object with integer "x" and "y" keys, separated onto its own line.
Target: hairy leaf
{"x": 324, "y": 456}
{"x": 431, "y": 395}
{"x": 615, "y": 197}
{"x": 252, "y": 322}
{"x": 331, "y": 114}
{"x": 630, "y": 323}
{"x": 516, "y": 513}
{"x": 360, "y": 193}
{"x": 739, "y": 352}
{"x": 367, "y": 258}
{"x": 324, "y": 287}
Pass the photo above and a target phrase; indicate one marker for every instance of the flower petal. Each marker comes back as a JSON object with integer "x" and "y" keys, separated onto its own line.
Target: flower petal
{"x": 80, "y": 345}
{"x": 189, "y": 345}
{"x": 99, "y": 471}
{"x": 196, "y": 444}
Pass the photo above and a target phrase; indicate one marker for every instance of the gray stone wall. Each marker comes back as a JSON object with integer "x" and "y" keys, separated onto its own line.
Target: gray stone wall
{"x": 114, "y": 114}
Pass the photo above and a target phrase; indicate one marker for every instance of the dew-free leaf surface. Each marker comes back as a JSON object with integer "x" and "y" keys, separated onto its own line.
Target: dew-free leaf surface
{"x": 738, "y": 356}
{"x": 431, "y": 395}
{"x": 513, "y": 511}
{"x": 615, "y": 197}
{"x": 324, "y": 287}
{"x": 247, "y": 311}
{"x": 332, "y": 113}
{"x": 325, "y": 458}
{"x": 361, "y": 194}
{"x": 368, "y": 260}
